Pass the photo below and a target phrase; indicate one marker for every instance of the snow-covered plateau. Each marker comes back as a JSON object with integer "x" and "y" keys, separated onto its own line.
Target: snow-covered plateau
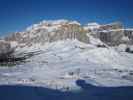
{"x": 60, "y": 63}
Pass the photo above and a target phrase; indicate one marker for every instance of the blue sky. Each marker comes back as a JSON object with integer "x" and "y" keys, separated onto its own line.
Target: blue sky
{"x": 16, "y": 15}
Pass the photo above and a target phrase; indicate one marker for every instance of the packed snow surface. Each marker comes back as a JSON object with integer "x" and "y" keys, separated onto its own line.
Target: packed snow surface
{"x": 60, "y": 64}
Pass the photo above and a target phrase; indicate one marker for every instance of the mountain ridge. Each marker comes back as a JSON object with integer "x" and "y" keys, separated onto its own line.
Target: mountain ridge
{"x": 113, "y": 34}
{"x": 53, "y": 30}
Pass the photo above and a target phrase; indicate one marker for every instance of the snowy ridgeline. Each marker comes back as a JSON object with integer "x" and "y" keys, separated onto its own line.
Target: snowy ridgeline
{"x": 55, "y": 54}
{"x": 50, "y": 31}
{"x": 112, "y": 34}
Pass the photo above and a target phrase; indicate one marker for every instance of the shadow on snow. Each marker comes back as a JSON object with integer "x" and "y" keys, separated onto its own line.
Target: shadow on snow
{"x": 88, "y": 92}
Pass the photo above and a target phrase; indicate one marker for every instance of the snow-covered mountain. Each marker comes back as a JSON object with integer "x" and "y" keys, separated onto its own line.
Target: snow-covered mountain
{"x": 60, "y": 52}
{"x": 49, "y": 31}
{"x": 112, "y": 34}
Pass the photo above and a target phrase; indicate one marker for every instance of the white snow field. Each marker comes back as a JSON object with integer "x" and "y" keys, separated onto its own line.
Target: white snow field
{"x": 60, "y": 64}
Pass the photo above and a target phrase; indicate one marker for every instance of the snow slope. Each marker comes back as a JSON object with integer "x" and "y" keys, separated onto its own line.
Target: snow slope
{"x": 61, "y": 63}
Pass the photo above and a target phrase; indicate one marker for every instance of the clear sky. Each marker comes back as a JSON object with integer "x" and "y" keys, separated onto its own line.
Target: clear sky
{"x": 16, "y": 15}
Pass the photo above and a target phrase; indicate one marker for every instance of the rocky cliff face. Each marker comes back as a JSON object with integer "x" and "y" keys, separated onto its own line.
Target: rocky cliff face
{"x": 117, "y": 37}
{"x": 112, "y": 34}
{"x": 49, "y": 31}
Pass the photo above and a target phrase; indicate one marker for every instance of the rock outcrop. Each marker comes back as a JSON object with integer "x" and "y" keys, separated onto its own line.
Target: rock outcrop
{"x": 49, "y": 31}
{"x": 6, "y": 50}
{"x": 112, "y": 34}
